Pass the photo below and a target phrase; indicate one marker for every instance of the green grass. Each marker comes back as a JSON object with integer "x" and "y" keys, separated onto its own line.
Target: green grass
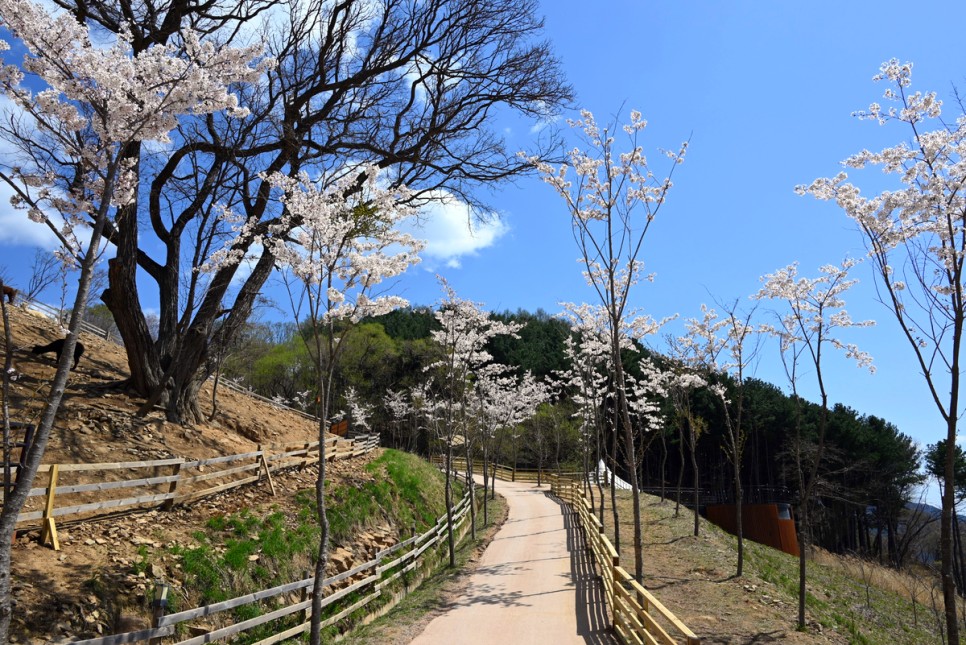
{"x": 255, "y": 548}
{"x": 405, "y": 491}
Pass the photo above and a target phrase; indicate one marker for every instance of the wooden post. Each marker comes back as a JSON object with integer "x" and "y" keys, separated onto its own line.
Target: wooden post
{"x": 305, "y": 457}
{"x": 159, "y": 605}
{"x": 303, "y": 596}
{"x": 268, "y": 473}
{"x": 173, "y": 487}
{"x": 613, "y": 590}
{"x": 49, "y": 528}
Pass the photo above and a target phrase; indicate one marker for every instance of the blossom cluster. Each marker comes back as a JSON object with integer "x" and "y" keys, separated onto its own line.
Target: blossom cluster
{"x": 816, "y": 310}
{"x": 96, "y": 101}
{"x": 340, "y": 241}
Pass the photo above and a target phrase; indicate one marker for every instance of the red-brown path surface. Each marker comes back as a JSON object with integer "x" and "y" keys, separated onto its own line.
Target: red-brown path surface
{"x": 535, "y": 583}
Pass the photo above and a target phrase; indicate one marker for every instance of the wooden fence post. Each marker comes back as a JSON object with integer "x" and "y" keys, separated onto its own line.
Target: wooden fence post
{"x": 263, "y": 457}
{"x": 49, "y": 527}
{"x": 305, "y": 457}
{"x": 176, "y": 472}
{"x": 303, "y": 596}
{"x": 613, "y": 589}
{"x": 159, "y": 605}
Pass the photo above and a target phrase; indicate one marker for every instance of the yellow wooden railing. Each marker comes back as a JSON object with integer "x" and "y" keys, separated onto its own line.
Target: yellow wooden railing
{"x": 637, "y": 616}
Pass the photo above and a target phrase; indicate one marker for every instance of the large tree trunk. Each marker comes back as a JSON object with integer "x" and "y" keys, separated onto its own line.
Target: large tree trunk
{"x": 142, "y": 354}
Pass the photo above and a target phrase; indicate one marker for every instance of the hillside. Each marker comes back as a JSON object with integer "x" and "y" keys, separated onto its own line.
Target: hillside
{"x": 101, "y": 580}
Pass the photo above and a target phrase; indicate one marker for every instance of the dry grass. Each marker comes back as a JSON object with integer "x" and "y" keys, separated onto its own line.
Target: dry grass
{"x": 694, "y": 577}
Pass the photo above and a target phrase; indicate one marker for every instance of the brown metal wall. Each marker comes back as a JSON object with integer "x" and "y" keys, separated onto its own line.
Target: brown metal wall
{"x": 761, "y": 524}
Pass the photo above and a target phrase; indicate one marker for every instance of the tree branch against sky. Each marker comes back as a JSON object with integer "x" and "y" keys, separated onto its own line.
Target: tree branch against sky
{"x": 915, "y": 234}
{"x": 409, "y": 86}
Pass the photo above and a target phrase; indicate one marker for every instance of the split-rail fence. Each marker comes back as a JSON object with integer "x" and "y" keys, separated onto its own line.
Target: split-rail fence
{"x": 98, "y": 489}
{"x": 388, "y": 575}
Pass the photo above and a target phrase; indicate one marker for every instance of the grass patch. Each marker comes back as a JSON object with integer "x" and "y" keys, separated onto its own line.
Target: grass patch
{"x": 257, "y": 548}
{"x": 860, "y": 602}
{"x": 404, "y": 491}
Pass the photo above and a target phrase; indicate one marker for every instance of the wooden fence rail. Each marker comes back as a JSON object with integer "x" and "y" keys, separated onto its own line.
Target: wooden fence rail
{"x": 165, "y": 481}
{"x": 637, "y": 616}
{"x": 367, "y": 582}
{"x": 505, "y": 473}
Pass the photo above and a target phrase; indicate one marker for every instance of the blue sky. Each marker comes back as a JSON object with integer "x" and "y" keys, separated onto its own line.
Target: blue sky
{"x": 765, "y": 91}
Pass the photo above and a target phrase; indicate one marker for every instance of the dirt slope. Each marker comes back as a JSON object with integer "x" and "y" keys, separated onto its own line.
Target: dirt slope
{"x": 90, "y": 586}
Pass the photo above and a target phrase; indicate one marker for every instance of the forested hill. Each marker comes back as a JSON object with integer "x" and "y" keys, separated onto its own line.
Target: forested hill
{"x": 871, "y": 471}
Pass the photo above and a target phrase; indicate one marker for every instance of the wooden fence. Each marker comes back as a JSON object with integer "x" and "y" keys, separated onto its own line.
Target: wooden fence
{"x": 164, "y": 482}
{"x": 290, "y": 603}
{"x": 505, "y": 473}
{"x": 637, "y": 616}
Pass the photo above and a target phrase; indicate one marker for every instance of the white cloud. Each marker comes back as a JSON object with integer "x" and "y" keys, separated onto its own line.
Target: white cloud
{"x": 451, "y": 232}
{"x": 17, "y": 227}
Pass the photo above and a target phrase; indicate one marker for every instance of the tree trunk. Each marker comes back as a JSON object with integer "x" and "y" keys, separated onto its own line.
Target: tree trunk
{"x": 613, "y": 485}
{"x": 663, "y": 464}
{"x": 740, "y": 527}
{"x": 946, "y": 526}
{"x": 486, "y": 484}
{"x": 18, "y": 497}
{"x": 315, "y": 635}
{"x": 449, "y": 504}
{"x": 677, "y": 502}
{"x": 803, "y": 542}
{"x": 470, "y": 484}
{"x": 598, "y": 460}
{"x": 694, "y": 477}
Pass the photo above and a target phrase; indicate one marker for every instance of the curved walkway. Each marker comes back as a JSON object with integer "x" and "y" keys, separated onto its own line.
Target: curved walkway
{"x": 535, "y": 582}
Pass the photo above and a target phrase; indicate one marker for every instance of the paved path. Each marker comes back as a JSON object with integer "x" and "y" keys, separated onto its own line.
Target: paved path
{"x": 535, "y": 583}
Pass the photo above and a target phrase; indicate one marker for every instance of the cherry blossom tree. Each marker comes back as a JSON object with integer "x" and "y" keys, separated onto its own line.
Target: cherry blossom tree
{"x": 464, "y": 331}
{"x": 95, "y": 101}
{"x": 593, "y": 353}
{"x": 339, "y": 255}
{"x": 412, "y": 86}
{"x": 914, "y": 234}
{"x": 814, "y": 313}
{"x": 727, "y": 345}
{"x": 588, "y": 354}
{"x": 400, "y": 409}
{"x": 613, "y": 198}
{"x": 502, "y": 401}
{"x": 682, "y": 382}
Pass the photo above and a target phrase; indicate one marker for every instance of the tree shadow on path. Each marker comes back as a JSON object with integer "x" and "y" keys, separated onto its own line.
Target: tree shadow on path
{"x": 593, "y": 624}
